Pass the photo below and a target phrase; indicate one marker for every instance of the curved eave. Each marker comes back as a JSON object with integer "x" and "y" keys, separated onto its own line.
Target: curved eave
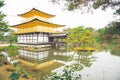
{"x": 37, "y": 22}
{"x": 33, "y": 12}
{"x": 33, "y": 32}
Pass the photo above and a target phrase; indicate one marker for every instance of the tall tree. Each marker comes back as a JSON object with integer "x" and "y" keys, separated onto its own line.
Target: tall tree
{"x": 3, "y": 24}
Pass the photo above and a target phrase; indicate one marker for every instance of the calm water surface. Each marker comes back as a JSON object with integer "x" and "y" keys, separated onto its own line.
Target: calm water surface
{"x": 106, "y": 67}
{"x": 96, "y": 66}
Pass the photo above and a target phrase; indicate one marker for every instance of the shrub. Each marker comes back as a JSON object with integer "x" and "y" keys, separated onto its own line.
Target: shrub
{"x": 22, "y": 69}
{"x": 12, "y": 50}
{"x": 25, "y": 75}
{"x": 14, "y": 76}
{"x": 15, "y": 64}
{"x": 67, "y": 74}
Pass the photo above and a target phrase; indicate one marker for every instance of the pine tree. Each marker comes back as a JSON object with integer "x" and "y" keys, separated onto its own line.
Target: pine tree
{"x": 3, "y": 25}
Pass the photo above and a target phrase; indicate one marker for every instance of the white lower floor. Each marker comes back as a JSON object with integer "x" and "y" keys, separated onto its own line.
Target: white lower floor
{"x": 33, "y": 38}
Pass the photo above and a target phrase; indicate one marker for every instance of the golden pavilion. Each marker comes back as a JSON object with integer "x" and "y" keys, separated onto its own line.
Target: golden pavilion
{"x": 36, "y": 27}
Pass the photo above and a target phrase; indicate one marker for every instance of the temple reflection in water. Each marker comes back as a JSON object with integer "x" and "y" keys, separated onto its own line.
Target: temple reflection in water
{"x": 43, "y": 56}
{"x": 33, "y": 55}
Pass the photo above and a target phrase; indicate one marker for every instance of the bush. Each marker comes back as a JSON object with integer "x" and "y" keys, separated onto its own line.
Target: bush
{"x": 22, "y": 69}
{"x": 67, "y": 74}
{"x": 15, "y": 64}
{"x": 25, "y": 75}
{"x": 14, "y": 76}
{"x": 12, "y": 50}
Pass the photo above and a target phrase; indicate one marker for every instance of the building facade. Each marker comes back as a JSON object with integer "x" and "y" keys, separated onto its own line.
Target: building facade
{"x": 36, "y": 27}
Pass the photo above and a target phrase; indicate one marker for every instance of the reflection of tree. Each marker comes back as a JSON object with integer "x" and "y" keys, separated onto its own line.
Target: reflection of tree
{"x": 113, "y": 46}
{"x": 115, "y": 52}
{"x": 85, "y": 58}
{"x": 59, "y": 55}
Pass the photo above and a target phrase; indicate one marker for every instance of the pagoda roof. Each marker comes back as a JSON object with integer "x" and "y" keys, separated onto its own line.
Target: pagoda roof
{"x": 37, "y": 12}
{"x": 36, "y": 22}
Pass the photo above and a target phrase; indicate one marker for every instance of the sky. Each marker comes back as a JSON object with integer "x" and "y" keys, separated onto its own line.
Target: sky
{"x": 98, "y": 19}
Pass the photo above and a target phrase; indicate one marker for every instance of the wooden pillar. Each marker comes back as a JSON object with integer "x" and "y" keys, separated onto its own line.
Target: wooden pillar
{"x": 48, "y": 38}
{"x": 21, "y": 38}
{"x": 32, "y": 34}
{"x": 43, "y": 37}
{"x": 37, "y": 38}
{"x": 29, "y": 38}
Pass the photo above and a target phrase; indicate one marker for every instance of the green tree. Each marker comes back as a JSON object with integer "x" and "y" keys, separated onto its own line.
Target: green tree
{"x": 112, "y": 31}
{"x": 1, "y": 37}
{"x": 81, "y": 37}
{"x": 12, "y": 38}
{"x": 89, "y": 4}
{"x": 3, "y": 25}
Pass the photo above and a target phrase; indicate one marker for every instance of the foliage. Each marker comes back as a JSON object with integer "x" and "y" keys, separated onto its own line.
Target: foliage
{"x": 3, "y": 24}
{"x": 12, "y": 50}
{"x": 80, "y": 37}
{"x": 90, "y": 4}
{"x": 25, "y": 75}
{"x": 1, "y": 37}
{"x": 1, "y": 3}
{"x": 14, "y": 76}
{"x": 67, "y": 74}
{"x": 112, "y": 31}
{"x": 12, "y": 38}
{"x": 15, "y": 64}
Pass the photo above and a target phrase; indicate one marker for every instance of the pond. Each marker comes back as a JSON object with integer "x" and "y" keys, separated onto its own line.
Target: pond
{"x": 99, "y": 65}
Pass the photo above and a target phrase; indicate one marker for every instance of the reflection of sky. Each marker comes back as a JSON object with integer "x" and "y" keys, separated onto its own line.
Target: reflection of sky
{"x": 107, "y": 67}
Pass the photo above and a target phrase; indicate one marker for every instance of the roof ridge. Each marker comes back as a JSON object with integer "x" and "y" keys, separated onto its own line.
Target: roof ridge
{"x": 35, "y": 10}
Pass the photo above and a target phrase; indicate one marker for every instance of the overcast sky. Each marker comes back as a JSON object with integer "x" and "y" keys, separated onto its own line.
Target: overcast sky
{"x": 71, "y": 19}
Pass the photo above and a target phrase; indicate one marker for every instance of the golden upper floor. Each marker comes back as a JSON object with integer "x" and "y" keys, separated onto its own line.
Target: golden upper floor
{"x": 35, "y": 12}
{"x": 36, "y": 29}
{"x": 36, "y": 25}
